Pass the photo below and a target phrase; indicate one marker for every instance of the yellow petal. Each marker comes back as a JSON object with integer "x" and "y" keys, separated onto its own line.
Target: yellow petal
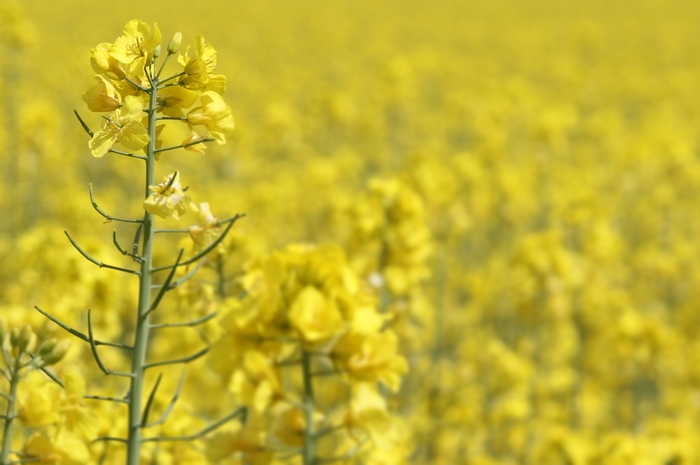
{"x": 134, "y": 136}
{"x": 102, "y": 141}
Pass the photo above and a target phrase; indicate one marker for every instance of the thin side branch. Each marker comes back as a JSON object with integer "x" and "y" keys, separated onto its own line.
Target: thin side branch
{"x": 102, "y": 366}
{"x": 138, "y": 86}
{"x": 137, "y": 239}
{"x": 127, "y": 154}
{"x": 186, "y": 231}
{"x": 149, "y": 402}
{"x": 182, "y": 146}
{"x": 207, "y": 249}
{"x": 97, "y": 262}
{"x": 80, "y": 335}
{"x": 175, "y": 76}
{"x": 183, "y": 279}
{"x": 187, "y": 359}
{"x": 106, "y": 399}
{"x": 50, "y": 374}
{"x": 82, "y": 123}
{"x": 166, "y": 286}
{"x": 186, "y": 324}
{"x": 242, "y": 411}
{"x": 110, "y": 438}
{"x": 171, "y": 404}
{"x": 105, "y": 214}
{"x": 122, "y": 250}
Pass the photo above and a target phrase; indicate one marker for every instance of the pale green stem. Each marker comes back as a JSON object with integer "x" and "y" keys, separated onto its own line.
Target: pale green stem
{"x": 384, "y": 294}
{"x": 142, "y": 326}
{"x": 309, "y": 434}
{"x": 10, "y": 416}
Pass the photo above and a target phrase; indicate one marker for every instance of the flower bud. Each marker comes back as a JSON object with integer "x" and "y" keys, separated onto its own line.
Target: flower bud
{"x": 156, "y": 51}
{"x": 14, "y": 336}
{"x": 47, "y": 346}
{"x": 27, "y": 339}
{"x": 174, "y": 44}
{"x": 57, "y": 352}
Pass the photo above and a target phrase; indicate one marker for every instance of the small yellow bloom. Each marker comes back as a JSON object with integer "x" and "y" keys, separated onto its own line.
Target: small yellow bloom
{"x": 368, "y": 412}
{"x": 214, "y": 114}
{"x": 79, "y": 419}
{"x": 173, "y": 100}
{"x": 168, "y": 199}
{"x": 199, "y": 70}
{"x": 206, "y": 231}
{"x": 124, "y": 127}
{"x": 316, "y": 317}
{"x": 62, "y": 448}
{"x": 103, "y": 63}
{"x": 194, "y": 137}
{"x": 103, "y": 96}
{"x": 135, "y": 45}
{"x": 372, "y": 357}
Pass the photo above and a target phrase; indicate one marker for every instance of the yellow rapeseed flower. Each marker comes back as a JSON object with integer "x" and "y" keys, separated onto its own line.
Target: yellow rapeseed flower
{"x": 124, "y": 127}
{"x": 314, "y": 316}
{"x": 214, "y": 114}
{"x": 168, "y": 199}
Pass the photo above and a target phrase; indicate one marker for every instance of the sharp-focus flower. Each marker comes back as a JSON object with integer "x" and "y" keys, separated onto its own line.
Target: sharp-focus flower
{"x": 124, "y": 127}
{"x": 173, "y": 100}
{"x": 168, "y": 199}
{"x": 135, "y": 46}
{"x": 103, "y": 96}
{"x": 103, "y": 63}
{"x": 214, "y": 114}
{"x": 199, "y": 70}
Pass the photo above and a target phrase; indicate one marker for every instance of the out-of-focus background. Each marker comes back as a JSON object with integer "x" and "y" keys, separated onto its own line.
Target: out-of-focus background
{"x": 554, "y": 147}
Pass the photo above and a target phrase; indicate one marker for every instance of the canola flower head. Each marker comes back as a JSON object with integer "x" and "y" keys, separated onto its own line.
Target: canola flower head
{"x": 135, "y": 46}
{"x": 168, "y": 200}
{"x": 124, "y": 127}
{"x": 103, "y": 97}
{"x": 214, "y": 114}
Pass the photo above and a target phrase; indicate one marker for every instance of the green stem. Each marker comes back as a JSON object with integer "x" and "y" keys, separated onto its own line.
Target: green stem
{"x": 142, "y": 325}
{"x": 10, "y": 417}
{"x": 222, "y": 276}
{"x": 309, "y": 434}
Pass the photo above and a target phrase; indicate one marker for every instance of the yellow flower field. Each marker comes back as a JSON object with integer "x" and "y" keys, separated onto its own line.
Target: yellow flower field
{"x": 363, "y": 232}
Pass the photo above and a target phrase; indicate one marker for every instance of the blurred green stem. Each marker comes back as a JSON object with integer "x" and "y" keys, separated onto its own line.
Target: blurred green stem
{"x": 309, "y": 438}
{"x": 10, "y": 415}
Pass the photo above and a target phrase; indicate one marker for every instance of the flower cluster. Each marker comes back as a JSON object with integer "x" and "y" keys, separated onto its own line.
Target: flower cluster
{"x": 306, "y": 323}
{"x": 59, "y": 422}
{"x": 126, "y": 70}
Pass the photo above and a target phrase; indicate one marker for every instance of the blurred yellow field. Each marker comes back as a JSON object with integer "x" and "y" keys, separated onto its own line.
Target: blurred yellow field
{"x": 469, "y": 232}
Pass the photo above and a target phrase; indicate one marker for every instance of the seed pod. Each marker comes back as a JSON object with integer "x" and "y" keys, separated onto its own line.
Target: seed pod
{"x": 174, "y": 44}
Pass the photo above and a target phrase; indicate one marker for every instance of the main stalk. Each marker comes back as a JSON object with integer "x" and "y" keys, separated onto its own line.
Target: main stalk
{"x": 142, "y": 324}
